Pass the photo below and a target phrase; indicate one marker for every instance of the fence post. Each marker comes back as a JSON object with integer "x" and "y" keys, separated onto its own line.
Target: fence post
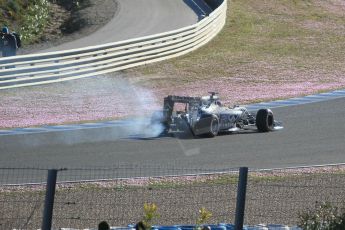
{"x": 49, "y": 200}
{"x": 241, "y": 198}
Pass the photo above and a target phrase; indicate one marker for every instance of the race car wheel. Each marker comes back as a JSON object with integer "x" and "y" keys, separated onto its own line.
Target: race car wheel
{"x": 214, "y": 127}
{"x": 264, "y": 120}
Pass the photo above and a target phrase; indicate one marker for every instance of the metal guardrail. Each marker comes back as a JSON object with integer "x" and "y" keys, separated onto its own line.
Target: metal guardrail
{"x": 43, "y": 68}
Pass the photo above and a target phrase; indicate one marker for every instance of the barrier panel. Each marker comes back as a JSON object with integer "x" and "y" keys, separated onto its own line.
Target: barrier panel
{"x": 43, "y": 68}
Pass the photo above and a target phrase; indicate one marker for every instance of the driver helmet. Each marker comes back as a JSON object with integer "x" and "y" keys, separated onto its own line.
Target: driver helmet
{"x": 5, "y": 30}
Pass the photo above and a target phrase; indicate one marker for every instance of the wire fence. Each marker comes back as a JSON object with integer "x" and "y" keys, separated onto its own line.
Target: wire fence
{"x": 84, "y": 197}
{"x": 280, "y": 195}
{"x": 21, "y": 205}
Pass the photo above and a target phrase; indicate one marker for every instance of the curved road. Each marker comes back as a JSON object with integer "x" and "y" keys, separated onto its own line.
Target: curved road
{"x": 138, "y": 18}
{"x": 313, "y": 134}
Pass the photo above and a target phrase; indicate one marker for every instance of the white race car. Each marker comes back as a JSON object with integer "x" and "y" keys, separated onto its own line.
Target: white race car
{"x": 205, "y": 116}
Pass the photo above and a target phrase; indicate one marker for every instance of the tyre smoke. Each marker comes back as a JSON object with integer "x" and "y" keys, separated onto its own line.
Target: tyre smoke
{"x": 129, "y": 108}
{"x": 121, "y": 98}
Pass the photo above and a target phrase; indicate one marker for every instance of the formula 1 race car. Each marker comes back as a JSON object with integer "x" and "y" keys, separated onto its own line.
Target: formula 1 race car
{"x": 205, "y": 116}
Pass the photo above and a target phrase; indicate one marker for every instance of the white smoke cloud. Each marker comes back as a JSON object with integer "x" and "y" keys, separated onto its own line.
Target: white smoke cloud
{"x": 116, "y": 96}
{"x": 142, "y": 105}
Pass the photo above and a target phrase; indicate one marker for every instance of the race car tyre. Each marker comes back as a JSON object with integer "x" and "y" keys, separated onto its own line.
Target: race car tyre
{"x": 214, "y": 127}
{"x": 264, "y": 120}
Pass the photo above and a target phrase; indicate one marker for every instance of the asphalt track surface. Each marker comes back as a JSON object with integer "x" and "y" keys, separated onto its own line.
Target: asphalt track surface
{"x": 138, "y": 18}
{"x": 313, "y": 134}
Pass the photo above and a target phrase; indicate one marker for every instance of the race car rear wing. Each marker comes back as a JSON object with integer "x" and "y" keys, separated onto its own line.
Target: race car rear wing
{"x": 170, "y": 101}
{"x": 181, "y": 99}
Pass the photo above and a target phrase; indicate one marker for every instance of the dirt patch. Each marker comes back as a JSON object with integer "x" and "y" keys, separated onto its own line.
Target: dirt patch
{"x": 334, "y": 6}
{"x": 58, "y": 16}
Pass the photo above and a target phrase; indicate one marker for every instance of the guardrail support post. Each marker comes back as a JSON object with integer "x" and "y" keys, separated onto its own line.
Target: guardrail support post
{"x": 49, "y": 200}
{"x": 241, "y": 198}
